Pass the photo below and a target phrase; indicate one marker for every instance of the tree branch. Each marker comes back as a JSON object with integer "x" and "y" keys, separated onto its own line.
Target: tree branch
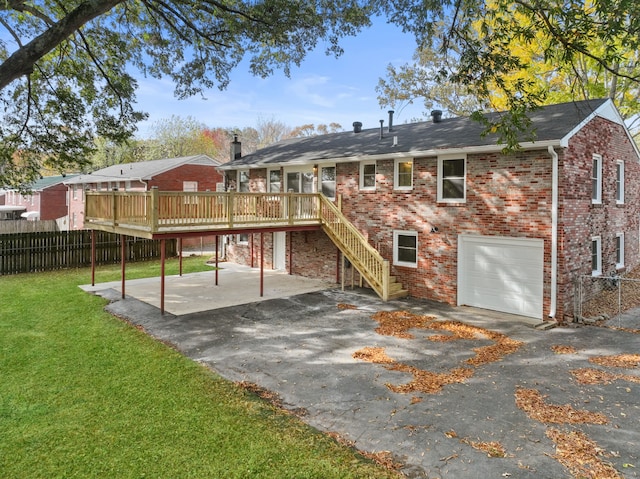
{"x": 21, "y": 62}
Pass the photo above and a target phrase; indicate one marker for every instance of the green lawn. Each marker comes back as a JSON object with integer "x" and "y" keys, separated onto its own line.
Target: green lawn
{"x": 83, "y": 394}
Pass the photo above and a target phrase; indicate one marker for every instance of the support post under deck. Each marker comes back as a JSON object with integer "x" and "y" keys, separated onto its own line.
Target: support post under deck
{"x": 162, "y": 258}
{"x": 123, "y": 250}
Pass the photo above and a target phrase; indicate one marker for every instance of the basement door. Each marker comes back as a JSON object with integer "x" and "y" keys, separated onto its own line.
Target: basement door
{"x": 501, "y": 273}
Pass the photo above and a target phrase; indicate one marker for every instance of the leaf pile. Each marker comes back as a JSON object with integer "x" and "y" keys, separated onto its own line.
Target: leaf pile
{"x": 597, "y": 376}
{"x": 560, "y": 349}
{"x": 533, "y": 404}
{"x": 493, "y": 448}
{"x": 581, "y": 455}
{"x": 398, "y": 324}
{"x": 373, "y": 355}
{"x": 617, "y": 361}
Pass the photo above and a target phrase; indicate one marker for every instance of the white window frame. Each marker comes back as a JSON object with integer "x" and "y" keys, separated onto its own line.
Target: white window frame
{"x": 620, "y": 182}
{"x": 396, "y": 174}
{"x": 239, "y": 184}
{"x": 242, "y": 241}
{"x": 596, "y": 179}
{"x": 272, "y": 170}
{"x": 396, "y": 261}
{"x": 440, "y": 188}
{"x": 619, "y": 250}
{"x": 335, "y": 180}
{"x": 597, "y": 241}
{"x": 364, "y": 164}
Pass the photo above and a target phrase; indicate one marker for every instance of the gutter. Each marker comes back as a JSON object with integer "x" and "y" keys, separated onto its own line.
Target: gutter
{"x": 554, "y": 232}
{"x": 433, "y": 152}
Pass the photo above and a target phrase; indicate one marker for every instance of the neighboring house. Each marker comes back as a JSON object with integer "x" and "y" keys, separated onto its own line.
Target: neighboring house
{"x": 189, "y": 173}
{"x": 461, "y": 221}
{"x": 47, "y": 200}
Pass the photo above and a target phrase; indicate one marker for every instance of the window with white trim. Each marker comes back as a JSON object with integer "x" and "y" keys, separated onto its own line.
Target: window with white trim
{"x": 405, "y": 248}
{"x": 368, "y": 175}
{"x": 620, "y": 182}
{"x": 452, "y": 172}
{"x": 596, "y": 180}
{"x": 596, "y": 256}
{"x": 620, "y": 250}
{"x": 403, "y": 174}
{"x": 328, "y": 181}
{"x": 242, "y": 238}
{"x": 275, "y": 181}
{"x": 243, "y": 181}
{"x": 189, "y": 186}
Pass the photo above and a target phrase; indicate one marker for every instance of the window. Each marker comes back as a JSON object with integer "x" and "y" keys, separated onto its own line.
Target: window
{"x": 275, "y": 181}
{"x": 243, "y": 238}
{"x": 405, "y": 248}
{"x": 328, "y": 181}
{"x": 75, "y": 192}
{"x": 243, "y": 181}
{"x": 403, "y": 175}
{"x": 620, "y": 250}
{"x": 596, "y": 256}
{"x": 189, "y": 186}
{"x": 596, "y": 180}
{"x": 451, "y": 179}
{"x": 620, "y": 182}
{"x": 368, "y": 175}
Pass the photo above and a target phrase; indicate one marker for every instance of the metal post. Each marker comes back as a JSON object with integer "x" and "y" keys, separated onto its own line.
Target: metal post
{"x": 261, "y": 264}
{"x": 290, "y": 252}
{"x": 122, "y": 262}
{"x": 180, "y": 254}
{"x": 93, "y": 257}
{"x": 162, "y": 258}
{"x": 217, "y": 260}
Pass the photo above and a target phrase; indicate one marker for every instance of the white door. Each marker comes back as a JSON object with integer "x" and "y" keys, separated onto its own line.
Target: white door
{"x": 279, "y": 250}
{"x": 501, "y": 273}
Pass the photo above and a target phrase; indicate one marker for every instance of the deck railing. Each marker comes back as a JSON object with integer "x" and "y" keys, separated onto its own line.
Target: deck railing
{"x": 168, "y": 211}
{"x": 157, "y": 212}
{"x": 364, "y": 257}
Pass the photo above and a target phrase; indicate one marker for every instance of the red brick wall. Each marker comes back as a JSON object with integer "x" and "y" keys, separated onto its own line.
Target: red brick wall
{"x": 506, "y": 196}
{"x": 206, "y": 176}
{"x": 582, "y": 220}
{"x": 53, "y": 202}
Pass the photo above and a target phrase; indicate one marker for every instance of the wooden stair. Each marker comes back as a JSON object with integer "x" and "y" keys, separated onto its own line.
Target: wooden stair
{"x": 373, "y": 268}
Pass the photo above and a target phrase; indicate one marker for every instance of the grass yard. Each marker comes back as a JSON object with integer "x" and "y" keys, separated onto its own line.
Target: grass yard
{"x": 86, "y": 395}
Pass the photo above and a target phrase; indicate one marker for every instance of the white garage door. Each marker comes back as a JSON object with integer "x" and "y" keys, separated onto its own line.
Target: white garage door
{"x": 503, "y": 274}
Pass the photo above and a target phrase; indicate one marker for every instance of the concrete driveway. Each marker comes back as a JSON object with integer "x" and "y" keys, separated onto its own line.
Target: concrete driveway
{"x": 495, "y": 423}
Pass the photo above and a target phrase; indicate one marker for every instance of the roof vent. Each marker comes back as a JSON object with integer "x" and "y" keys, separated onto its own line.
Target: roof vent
{"x": 357, "y": 126}
{"x": 391, "y": 119}
{"x": 436, "y": 115}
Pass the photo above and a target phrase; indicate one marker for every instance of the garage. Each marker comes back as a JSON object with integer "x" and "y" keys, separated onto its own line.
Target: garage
{"x": 501, "y": 273}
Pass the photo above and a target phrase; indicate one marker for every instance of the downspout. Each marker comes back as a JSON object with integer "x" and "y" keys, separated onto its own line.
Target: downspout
{"x": 554, "y": 231}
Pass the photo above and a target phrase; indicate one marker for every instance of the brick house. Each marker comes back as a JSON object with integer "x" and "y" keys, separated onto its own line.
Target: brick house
{"x": 189, "y": 173}
{"x": 461, "y": 221}
{"x": 47, "y": 201}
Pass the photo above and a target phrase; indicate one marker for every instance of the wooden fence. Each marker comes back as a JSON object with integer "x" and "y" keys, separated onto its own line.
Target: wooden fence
{"x": 46, "y": 251}
{"x": 24, "y": 226}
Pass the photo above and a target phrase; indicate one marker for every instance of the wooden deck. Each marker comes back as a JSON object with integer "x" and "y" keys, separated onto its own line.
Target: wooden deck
{"x": 157, "y": 214}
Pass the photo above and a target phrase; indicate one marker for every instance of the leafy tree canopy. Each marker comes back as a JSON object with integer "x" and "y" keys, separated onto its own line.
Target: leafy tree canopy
{"x": 64, "y": 71}
{"x": 516, "y": 55}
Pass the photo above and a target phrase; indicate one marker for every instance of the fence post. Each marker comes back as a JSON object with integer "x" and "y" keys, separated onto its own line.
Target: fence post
{"x": 114, "y": 205}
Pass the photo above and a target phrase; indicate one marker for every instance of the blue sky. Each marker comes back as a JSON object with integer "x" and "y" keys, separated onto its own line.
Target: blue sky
{"x": 322, "y": 90}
